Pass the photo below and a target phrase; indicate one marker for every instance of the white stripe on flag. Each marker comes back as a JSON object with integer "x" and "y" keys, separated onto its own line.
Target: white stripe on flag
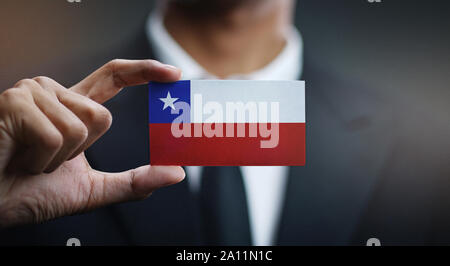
{"x": 247, "y": 101}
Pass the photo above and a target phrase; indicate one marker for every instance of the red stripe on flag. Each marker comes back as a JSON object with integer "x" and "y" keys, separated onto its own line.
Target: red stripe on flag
{"x": 227, "y": 151}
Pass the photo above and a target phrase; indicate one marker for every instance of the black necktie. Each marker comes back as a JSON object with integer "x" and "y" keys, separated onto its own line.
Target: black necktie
{"x": 223, "y": 207}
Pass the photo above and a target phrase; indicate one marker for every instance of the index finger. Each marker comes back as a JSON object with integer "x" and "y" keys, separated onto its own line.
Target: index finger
{"x": 108, "y": 80}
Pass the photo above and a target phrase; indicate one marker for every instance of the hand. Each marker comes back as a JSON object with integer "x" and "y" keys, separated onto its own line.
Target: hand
{"x": 44, "y": 130}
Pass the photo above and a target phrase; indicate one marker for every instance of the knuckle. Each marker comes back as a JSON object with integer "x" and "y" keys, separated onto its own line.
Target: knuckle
{"x": 14, "y": 95}
{"x": 43, "y": 80}
{"x": 115, "y": 62}
{"x": 21, "y": 83}
{"x": 99, "y": 117}
{"x": 112, "y": 67}
{"x": 53, "y": 140}
{"x": 75, "y": 132}
{"x": 26, "y": 83}
{"x": 47, "y": 85}
{"x": 147, "y": 67}
{"x": 13, "y": 100}
{"x": 150, "y": 63}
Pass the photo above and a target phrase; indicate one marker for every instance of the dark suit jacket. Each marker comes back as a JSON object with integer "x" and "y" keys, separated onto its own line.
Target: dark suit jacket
{"x": 371, "y": 172}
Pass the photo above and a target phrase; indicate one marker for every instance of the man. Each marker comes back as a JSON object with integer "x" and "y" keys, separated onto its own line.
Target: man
{"x": 360, "y": 180}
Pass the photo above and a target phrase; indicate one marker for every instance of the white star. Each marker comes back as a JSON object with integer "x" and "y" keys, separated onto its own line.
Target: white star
{"x": 169, "y": 101}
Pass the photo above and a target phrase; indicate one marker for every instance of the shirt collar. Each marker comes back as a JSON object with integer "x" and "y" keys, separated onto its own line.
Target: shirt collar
{"x": 288, "y": 65}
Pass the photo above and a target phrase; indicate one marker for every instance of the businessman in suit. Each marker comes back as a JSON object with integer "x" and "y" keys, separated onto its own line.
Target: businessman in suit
{"x": 363, "y": 177}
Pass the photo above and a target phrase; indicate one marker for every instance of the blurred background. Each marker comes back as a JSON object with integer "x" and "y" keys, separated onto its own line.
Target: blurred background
{"x": 399, "y": 47}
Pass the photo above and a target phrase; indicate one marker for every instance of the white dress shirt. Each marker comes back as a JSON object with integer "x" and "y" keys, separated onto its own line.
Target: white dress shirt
{"x": 264, "y": 185}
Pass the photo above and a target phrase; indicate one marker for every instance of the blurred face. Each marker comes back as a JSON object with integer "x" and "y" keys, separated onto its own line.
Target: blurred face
{"x": 210, "y": 8}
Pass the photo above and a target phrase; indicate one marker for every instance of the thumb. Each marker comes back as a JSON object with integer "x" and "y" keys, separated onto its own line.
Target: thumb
{"x": 136, "y": 184}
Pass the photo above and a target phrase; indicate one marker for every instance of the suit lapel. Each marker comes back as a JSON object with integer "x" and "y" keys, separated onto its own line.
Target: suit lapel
{"x": 326, "y": 199}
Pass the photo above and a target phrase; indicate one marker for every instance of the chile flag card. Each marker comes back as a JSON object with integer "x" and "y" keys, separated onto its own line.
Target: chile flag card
{"x": 227, "y": 123}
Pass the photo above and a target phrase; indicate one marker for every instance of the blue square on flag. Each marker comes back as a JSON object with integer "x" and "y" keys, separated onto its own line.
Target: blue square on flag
{"x": 164, "y": 96}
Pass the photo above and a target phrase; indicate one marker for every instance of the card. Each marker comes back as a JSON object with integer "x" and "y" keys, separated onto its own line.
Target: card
{"x": 227, "y": 123}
